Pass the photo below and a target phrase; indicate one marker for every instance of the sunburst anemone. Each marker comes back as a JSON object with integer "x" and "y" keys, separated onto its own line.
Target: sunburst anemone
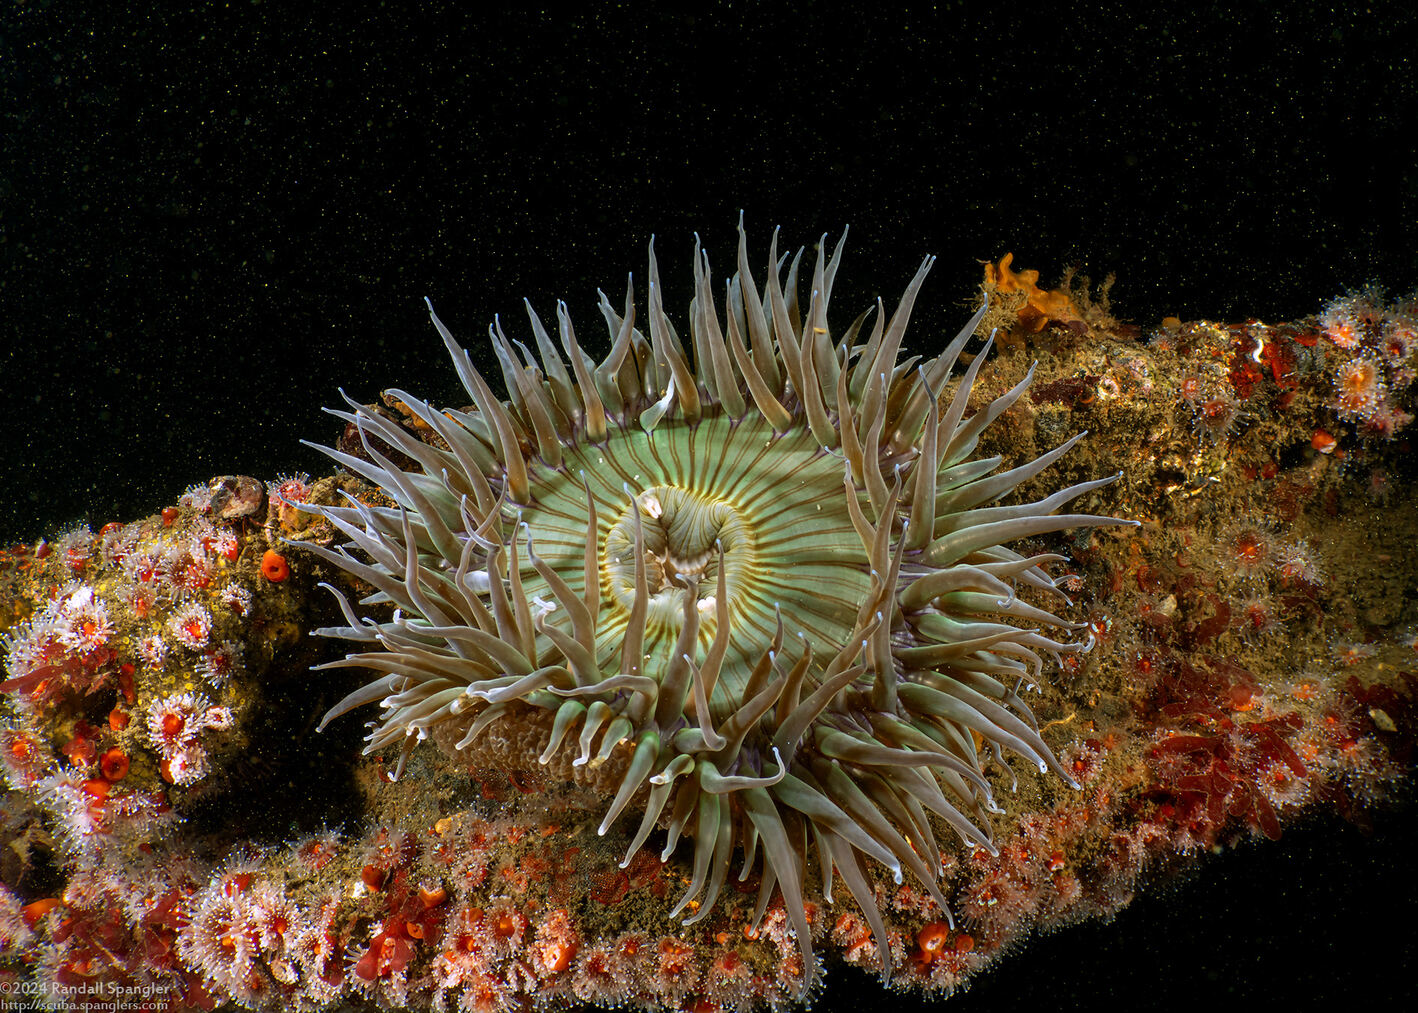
{"x": 757, "y": 588}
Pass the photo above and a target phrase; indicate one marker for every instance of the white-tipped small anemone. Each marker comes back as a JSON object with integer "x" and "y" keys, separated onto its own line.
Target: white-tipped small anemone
{"x": 760, "y": 579}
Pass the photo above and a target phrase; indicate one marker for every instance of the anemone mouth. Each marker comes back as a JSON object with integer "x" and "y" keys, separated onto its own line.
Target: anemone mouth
{"x": 685, "y": 537}
{"x": 767, "y": 578}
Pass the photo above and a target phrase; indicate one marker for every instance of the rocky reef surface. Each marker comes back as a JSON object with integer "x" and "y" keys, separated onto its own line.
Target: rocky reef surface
{"x": 180, "y": 837}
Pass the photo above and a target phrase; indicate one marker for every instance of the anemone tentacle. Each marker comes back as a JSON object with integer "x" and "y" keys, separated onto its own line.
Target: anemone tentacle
{"x": 757, "y": 582}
